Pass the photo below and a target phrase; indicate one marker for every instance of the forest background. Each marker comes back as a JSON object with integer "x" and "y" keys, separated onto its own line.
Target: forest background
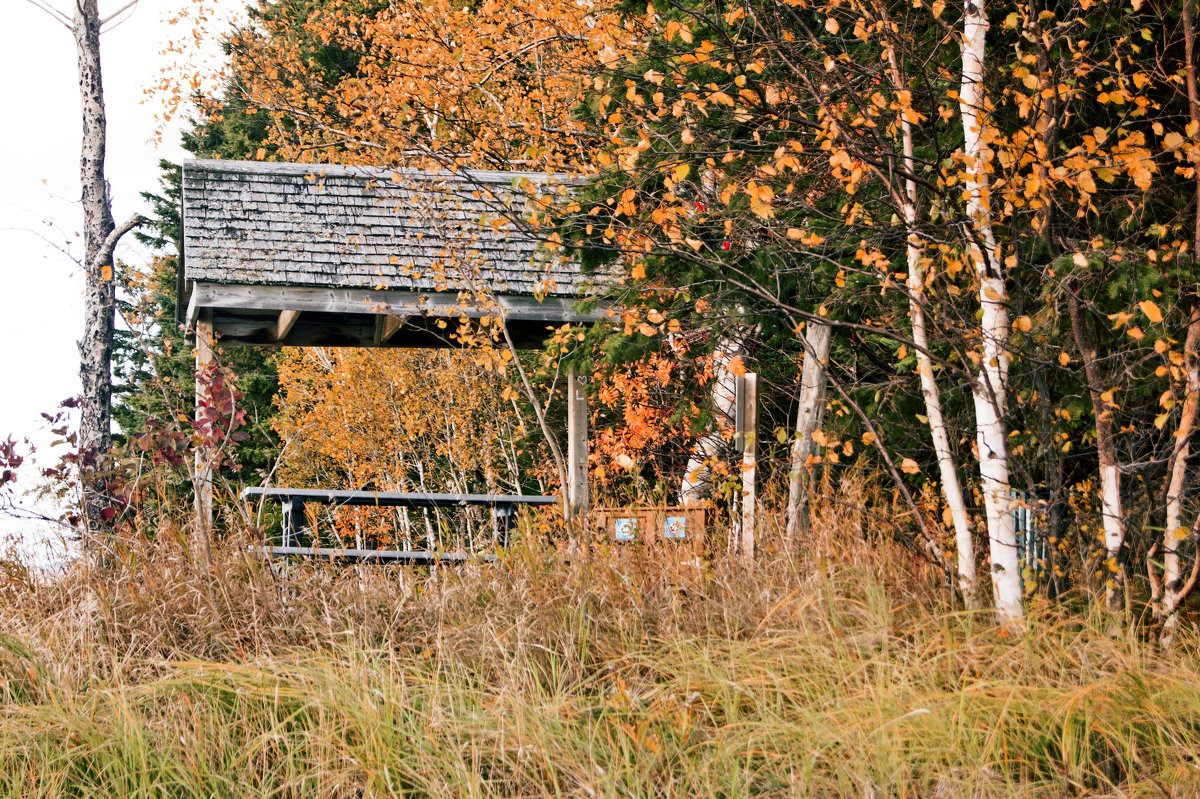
{"x": 1000, "y": 243}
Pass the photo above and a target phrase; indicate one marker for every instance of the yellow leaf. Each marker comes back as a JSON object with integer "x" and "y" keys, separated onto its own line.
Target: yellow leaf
{"x": 680, "y": 172}
{"x": 1180, "y": 533}
{"x": 1152, "y": 311}
{"x": 106, "y": 272}
{"x": 868, "y": 439}
{"x": 1064, "y": 358}
{"x": 909, "y": 466}
{"x": 831, "y": 25}
{"x": 1024, "y": 324}
{"x": 794, "y": 233}
{"x": 1080, "y": 260}
{"x": 1172, "y": 140}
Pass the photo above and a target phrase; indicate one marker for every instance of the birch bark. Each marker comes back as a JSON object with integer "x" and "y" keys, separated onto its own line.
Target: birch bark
{"x": 1173, "y": 589}
{"x": 95, "y": 349}
{"x": 951, "y": 488}
{"x": 698, "y": 473}
{"x": 991, "y": 383}
{"x": 1175, "y": 532}
{"x": 1112, "y": 516}
{"x": 808, "y": 419}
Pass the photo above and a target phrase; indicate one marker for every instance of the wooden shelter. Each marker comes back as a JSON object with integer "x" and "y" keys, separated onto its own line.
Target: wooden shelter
{"x": 322, "y": 255}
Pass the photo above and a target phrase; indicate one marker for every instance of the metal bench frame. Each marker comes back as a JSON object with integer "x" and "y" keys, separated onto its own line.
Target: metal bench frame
{"x": 292, "y": 500}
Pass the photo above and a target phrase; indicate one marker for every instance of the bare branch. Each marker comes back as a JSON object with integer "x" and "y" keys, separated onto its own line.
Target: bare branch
{"x": 104, "y": 254}
{"x": 53, "y": 13}
{"x": 117, "y": 13}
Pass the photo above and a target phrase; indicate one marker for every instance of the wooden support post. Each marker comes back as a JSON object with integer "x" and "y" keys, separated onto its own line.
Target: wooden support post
{"x": 577, "y": 445}
{"x": 749, "y": 466}
{"x": 386, "y": 326}
{"x": 203, "y": 481}
{"x": 287, "y": 320}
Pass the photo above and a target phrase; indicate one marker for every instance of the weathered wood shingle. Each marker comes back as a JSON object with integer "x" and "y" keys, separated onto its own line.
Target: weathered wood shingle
{"x": 254, "y": 223}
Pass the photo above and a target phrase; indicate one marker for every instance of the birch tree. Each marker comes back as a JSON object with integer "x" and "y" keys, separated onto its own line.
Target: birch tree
{"x": 951, "y": 488}
{"x": 989, "y": 391}
{"x": 808, "y": 420}
{"x": 100, "y": 238}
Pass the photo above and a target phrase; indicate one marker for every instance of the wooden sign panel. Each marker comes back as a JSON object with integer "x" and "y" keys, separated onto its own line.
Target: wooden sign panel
{"x": 660, "y": 526}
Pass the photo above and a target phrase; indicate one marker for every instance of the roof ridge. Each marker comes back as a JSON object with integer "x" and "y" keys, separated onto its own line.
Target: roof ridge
{"x": 367, "y": 172}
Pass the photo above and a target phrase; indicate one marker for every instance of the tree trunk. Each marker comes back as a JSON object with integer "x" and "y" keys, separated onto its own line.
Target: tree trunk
{"x": 750, "y": 471}
{"x": 1173, "y": 590}
{"x": 808, "y": 419}
{"x": 1111, "y": 514}
{"x": 951, "y": 488}
{"x": 991, "y": 384}
{"x": 1175, "y": 533}
{"x": 698, "y": 473}
{"x": 95, "y": 349}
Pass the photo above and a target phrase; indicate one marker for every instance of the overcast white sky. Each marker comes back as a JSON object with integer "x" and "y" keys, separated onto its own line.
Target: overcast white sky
{"x": 40, "y": 287}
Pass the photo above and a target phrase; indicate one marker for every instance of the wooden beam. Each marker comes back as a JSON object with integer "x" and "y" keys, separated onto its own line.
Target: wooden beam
{"x": 287, "y": 320}
{"x": 552, "y": 310}
{"x": 386, "y": 326}
{"x": 577, "y": 444}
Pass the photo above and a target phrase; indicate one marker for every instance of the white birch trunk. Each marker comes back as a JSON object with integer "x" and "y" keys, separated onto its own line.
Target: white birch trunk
{"x": 750, "y": 471}
{"x": 1173, "y": 591}
{"x": 698, "y": 473}
{"x": 95, "y": 349}
{"x": 808, "y": 420}
{"x": 951, "y": 488}
{"x": 991, "y": 384}
{"x": 1175, "y": 532}
{"x": 1111, "y": 515}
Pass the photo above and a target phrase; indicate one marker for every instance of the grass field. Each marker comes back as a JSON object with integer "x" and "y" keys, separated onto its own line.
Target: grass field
{"x": 844, "y": 670}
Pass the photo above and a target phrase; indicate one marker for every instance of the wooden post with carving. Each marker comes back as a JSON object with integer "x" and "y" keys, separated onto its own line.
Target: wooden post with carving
{"x": 203, "y": 481}
{"x": 749, "y": 467}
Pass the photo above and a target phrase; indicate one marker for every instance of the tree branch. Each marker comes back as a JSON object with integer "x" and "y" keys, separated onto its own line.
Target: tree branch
{"x": 117, "y": 13}
{"x": 104, "y": 254}
{"x": 53, "y": 13}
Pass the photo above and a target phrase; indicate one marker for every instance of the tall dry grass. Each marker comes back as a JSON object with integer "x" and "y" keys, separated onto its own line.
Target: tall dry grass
{"x": 840, "y": 670}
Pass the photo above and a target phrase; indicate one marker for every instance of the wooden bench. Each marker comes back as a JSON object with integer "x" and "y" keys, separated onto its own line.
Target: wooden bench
{"x": 503, "y": 508}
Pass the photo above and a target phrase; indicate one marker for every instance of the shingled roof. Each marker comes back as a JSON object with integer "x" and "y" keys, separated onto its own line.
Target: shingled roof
{"x": 366, "y": 227}
{"x": 404, "y": 242}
